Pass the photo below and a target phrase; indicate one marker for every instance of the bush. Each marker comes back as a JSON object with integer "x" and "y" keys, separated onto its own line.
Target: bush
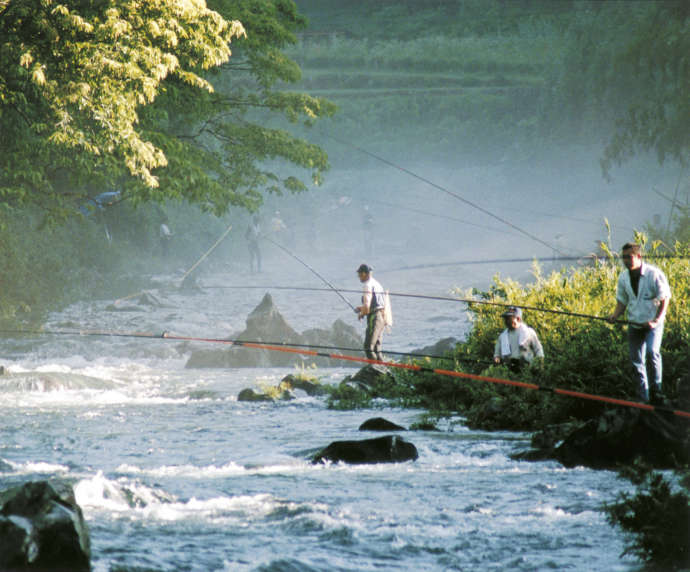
{"x": 657, "y": 518}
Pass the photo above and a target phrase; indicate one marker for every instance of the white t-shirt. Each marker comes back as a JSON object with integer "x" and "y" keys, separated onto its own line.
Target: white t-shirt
{"x": 373, "y": 296}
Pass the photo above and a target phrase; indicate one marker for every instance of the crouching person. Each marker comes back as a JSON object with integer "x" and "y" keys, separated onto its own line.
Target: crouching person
{"x": 518, "y": 344}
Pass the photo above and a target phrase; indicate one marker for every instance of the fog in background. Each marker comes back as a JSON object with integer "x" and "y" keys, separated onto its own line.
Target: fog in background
{"x": 412, "y": 232}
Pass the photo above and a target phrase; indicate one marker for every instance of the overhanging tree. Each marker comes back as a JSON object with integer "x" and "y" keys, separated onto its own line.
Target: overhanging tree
{"x": 113, "y": 94}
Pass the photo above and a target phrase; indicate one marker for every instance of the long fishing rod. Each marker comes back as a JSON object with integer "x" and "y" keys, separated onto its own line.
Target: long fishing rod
{"x": 468, "y": 301}
{"x": 203, "y": 257}
{"x": 149, "y": 335}
{"x": 448, "y": 192}
{"x": 298, "y": 259}
{"x": 405, "y": 366}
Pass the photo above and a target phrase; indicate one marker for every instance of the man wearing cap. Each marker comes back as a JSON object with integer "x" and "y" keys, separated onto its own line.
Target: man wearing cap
{"x": 373, "y": 302}
{"x": 643, "y": 290}
{"x": 518, "y": 344}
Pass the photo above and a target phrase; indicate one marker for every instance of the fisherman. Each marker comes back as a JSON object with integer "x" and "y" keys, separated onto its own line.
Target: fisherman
{"x": 252, "y": 235}
{"x": 518, "y": 344}
{"x": 165, "y": 235}
{"x": 644, "y": 291}
{"x": 373, "y": 303}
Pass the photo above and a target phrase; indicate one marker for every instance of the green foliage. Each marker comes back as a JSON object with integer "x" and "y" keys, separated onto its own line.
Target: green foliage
{"x": 120, "y": 95}
{"x": 656, "y": 518}
{"x": 582, "y": 354}
{"x": 72, "y": 77}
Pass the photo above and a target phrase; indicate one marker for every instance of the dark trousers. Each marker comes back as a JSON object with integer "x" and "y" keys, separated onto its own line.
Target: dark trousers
{"x": 374, "y": 333}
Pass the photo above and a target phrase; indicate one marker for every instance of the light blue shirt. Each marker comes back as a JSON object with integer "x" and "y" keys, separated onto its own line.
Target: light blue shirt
{"x": 652, "y": 289}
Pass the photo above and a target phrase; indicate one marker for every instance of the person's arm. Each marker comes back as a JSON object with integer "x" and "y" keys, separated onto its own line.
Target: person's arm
{"x": 537, "y": 347}
{"x": 363, "y": 310}
{"x": 620, "y": 308}
{"x": 663, "y": 304}
{"x": 497, "y": 350}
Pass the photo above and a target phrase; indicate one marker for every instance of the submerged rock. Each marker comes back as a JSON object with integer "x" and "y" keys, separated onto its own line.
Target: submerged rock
{"x": 389, "y": 449}
{"x": 42, "y": 528}
{"x": 284, "y": 391}
{"x": 266, "y": 325}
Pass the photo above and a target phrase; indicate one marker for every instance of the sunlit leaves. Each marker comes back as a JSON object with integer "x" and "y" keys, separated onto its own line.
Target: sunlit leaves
{"x": 118, "y": 93}
{"x": 92, "y": 66}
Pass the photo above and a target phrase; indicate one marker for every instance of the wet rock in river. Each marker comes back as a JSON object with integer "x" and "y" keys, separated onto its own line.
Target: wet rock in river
{"x": 265, "y": 325}
{"x": 371, "y": 379}
{"x": 388, "y": 449}
{"x": 43, "y": 528}
{"x": 618, "y": 436}
{"x": 380, "y": 424}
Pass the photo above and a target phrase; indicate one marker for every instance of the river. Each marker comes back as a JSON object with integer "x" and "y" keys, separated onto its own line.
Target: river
{"x": 173, "y": 473}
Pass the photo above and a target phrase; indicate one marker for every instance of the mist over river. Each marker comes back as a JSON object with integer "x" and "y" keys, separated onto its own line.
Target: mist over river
{"x": 173, "y": 473}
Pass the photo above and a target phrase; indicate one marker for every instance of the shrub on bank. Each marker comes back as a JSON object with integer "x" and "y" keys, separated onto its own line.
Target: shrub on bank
{"x": 656, "y": 517}
{"x": 583, "y": 352}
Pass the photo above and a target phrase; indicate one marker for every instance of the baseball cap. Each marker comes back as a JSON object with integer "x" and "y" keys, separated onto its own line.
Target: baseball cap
{"x": 513, "y": 311}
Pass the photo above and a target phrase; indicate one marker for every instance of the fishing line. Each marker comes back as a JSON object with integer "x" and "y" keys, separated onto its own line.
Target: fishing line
{"x": 468, "y": 301}
{"x": 406, "y": 366}
{"x": 333, "y": 288}
{"x": 448, "y": 192}
{"x": 427, "y": 213}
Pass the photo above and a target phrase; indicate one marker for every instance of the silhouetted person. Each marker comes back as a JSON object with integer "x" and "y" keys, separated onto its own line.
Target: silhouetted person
{"x": 252, "y": 235}
{"x": 165, "y": 235}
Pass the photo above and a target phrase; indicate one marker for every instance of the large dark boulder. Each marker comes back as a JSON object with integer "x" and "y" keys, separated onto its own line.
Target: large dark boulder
{"x": 389, "y": 449}
{"x": 618, "y": 436}
{"x": 266, "y": 325}
{"x": 42, "y": 529}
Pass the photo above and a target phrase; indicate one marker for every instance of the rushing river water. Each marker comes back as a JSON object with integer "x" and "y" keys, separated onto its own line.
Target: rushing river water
{"x": 173, "y": 473}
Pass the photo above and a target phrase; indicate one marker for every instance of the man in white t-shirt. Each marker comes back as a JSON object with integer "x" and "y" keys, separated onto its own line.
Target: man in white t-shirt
{"x": 643, "y": 290}
{"x": 518, "y": 344}
{"x": 373, "y": 303}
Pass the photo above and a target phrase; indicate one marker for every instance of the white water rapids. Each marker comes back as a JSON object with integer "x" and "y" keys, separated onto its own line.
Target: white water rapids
{"x": 173, "y": 473}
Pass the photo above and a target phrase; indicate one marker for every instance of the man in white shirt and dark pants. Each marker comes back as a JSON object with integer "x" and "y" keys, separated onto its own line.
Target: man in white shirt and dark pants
{"x": 643, "y": 290}
{"x": 373, "y": 303}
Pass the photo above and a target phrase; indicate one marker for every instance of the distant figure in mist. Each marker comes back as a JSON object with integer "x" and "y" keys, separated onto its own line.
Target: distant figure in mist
{"x": 252, "y": 235}
{"x": 518, "y": 344}
{"x": 368, "y": 231}
{"x": 643, "y": 290}
{"x": 373, "y": 306}
{"x": 165, "y": 236}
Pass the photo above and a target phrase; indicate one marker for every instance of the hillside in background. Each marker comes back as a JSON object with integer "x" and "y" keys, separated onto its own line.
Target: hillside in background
{"x": 507, "y": 105}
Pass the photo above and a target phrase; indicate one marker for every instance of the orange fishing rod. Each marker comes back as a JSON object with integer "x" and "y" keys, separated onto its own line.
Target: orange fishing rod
{"x": 406, "y": 366}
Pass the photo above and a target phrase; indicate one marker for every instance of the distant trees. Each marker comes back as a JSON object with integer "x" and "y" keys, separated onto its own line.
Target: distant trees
{"x": 111, "y": 94}
{"x": 656, "y": 61}
{"x": 624, "y": 78}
